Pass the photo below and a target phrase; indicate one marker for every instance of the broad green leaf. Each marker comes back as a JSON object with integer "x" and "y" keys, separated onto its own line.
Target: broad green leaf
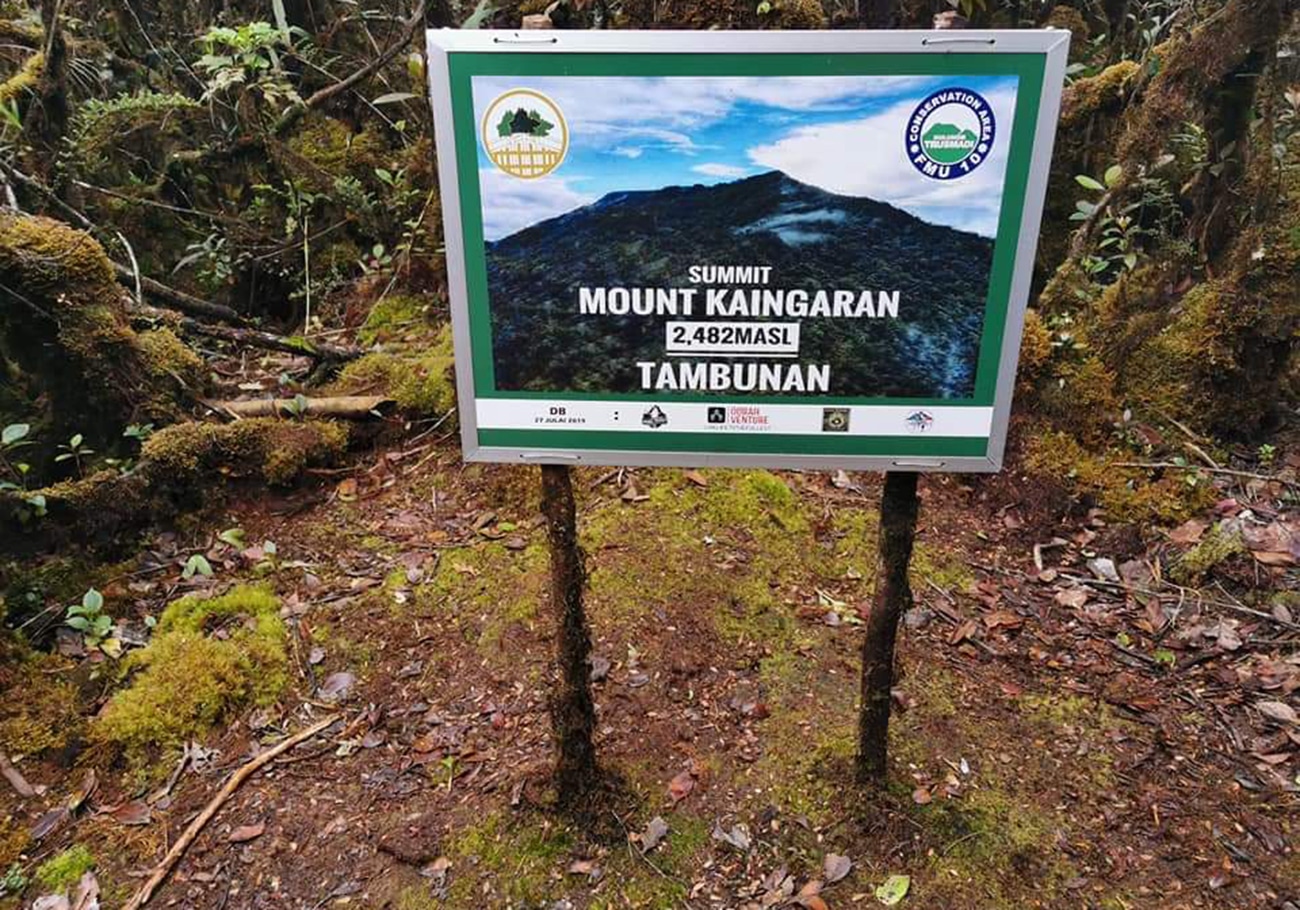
{"x": 1089, "y": 183}
{"x": 14, "y": 432}
{"x": 80, "y": 623}
{"x": 76, "y": 440}
{"x": 93, "y": 600}
{"x": 893, "y": 890}
{"x": 1113, "y": 173}
{"x": 232, "y": 536}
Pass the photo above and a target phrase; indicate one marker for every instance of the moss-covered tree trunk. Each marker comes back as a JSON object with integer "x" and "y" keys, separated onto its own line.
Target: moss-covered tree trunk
{"x": 573, "y": 711}
{"x": 898, "y": 512}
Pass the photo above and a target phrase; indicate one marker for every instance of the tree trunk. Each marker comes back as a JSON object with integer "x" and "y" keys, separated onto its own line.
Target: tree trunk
{"x": 898, "y": 511}
{"x": 573, "y": 712}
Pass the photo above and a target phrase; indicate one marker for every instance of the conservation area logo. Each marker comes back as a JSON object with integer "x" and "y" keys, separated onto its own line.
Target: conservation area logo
{"x": 950, "y": 133}
{"x": 524, "y": 133}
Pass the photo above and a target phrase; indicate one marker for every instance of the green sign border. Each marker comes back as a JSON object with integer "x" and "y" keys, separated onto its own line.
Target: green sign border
{"x": 1029, "y": 68}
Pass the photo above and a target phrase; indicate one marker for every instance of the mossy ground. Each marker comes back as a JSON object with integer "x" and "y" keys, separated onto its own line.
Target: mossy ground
{"x": 61, "y": 872}
{"x": 208, "y": 658}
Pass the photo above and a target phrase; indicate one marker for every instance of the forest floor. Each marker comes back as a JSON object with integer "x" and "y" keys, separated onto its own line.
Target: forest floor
{"x": 1060, "y": 739}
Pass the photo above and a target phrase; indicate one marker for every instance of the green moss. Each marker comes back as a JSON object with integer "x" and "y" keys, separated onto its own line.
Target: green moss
{"x": 24, "y": 80}
{"x": 1214, "y": 549}
{"x": 323, "y": 149}
{"x": 484, "y": 591}
{"x": 190, "y": 677}
{"x": 988, "y": 844}
{"x": 276, "y": 450}
{"x": 1126, "y": 494}
{"x": 392, "y": 316}
{"x": 168, "y": 356}
{"x": 61, "y": 872}
{"x": 14, "y": 841}
{"x": 40, "y": 710}
{"x": 520, "y": 857}
{"x": 420, "y": 381}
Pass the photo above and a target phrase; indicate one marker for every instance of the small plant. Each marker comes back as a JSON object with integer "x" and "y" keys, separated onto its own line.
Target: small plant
{"x": 74, "y": 450}
{"x": 13, "y": 881}
{"x": 12, "y": 438}
{"x": 247, "y": 58}
{"x": 1267, "y": 454}
{"x": 89, "y": 618}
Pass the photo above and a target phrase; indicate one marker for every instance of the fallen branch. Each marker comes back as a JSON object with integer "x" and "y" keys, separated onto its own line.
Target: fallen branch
{"x": 346, "y": 407}
{"x": 177, "y": 300}
{"x": 178, "y": 849}
{"x": 409, "y": 28}
{"x": 1169, "y": 465}
{"x": 318, "y": 350}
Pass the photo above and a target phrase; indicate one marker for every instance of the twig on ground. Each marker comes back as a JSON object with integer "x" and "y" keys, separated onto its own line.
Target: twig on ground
{"x": 246, "y": 771}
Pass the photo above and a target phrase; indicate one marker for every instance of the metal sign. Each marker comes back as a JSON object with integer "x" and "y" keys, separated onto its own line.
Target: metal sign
{"x": 789, "y": 249}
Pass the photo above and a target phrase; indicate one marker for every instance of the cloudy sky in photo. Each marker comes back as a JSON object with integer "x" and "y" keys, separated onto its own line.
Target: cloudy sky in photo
{"x": 842, "y": 134}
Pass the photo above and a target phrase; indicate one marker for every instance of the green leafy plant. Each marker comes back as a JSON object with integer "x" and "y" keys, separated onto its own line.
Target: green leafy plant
{"x": 13, "y": 438}
{"x": 89, "y": 618}
{"x": 247, "y": 58}
{"x": 1267, "y": 454}
{"x": 74, "y": 450}
{"x": 13, "y": 881}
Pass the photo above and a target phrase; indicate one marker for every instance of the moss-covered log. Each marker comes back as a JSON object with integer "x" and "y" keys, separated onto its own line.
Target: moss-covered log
{"x": 64, "y": 327}
{"x": 178, "y": 467}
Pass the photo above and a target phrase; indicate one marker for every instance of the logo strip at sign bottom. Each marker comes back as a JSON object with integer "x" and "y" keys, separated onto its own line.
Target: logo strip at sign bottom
{"x": 786, "y": 249}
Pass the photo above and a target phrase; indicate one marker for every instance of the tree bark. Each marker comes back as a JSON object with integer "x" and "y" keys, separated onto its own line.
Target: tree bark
{"x": 573, "y": 711}
{"x": 898, "y": 511}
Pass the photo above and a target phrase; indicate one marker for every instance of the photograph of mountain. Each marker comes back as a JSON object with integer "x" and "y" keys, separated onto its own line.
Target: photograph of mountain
{"x": 809, "y": 177}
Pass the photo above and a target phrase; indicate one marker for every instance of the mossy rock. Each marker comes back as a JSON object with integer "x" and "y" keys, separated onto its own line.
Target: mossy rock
{"x": 277, "y": 451}
{"x": 208, "y": 658}
{"x": 393, "y": 317}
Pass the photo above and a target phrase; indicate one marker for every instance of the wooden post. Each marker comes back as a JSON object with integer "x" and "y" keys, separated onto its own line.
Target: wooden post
{"x": 573, "y": 711}
{"x": 893, "y": 597}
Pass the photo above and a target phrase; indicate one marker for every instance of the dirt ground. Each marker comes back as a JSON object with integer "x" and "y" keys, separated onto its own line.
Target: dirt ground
{"x": 1065, "y": 735}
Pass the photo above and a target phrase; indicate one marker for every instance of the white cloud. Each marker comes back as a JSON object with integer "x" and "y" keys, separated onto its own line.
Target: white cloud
{"x": 609, "y": 110}
{"x": 511, "y": 204}
{"x": 713, "y": 169}
{"x": 867, "y": 157}
{"x": 628, "y": 151}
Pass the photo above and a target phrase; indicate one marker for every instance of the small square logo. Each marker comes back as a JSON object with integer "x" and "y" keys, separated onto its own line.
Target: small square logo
{"x": 717, "y": 415}
{"x": 835, "y": 420}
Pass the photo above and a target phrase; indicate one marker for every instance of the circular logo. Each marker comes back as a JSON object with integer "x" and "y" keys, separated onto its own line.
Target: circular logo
{"x": 525, "y": 134}
{"x": 950, "y": 133}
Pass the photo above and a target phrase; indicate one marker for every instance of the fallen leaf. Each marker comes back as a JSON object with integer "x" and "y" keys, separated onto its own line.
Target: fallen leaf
{"x": 809, "y": 896}
{"x": 347, "y": 489}
{"x": 840, "y": 480}
{"x": 600, "y": 667}
{"x": 697, "y": 478}
{"x": 1277, "y": 711}
{"x": 337, "y": 686}
{"x": 50, "y": 822}
{"x": 136, "y": 812}
{"x": 681, "y": 786}
{"x": 87, "y": 893}
{"x": 1072, "y": 597}
{"x": 653, "y": 834}
{"x": 835, "y": 867}
{"x": 1189, "y": 532}
{"x": 737, "y": 837}
{"x": 893, "y": 890}
{"x": 921, "y": 796}
{"x": 245, "y": 833}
